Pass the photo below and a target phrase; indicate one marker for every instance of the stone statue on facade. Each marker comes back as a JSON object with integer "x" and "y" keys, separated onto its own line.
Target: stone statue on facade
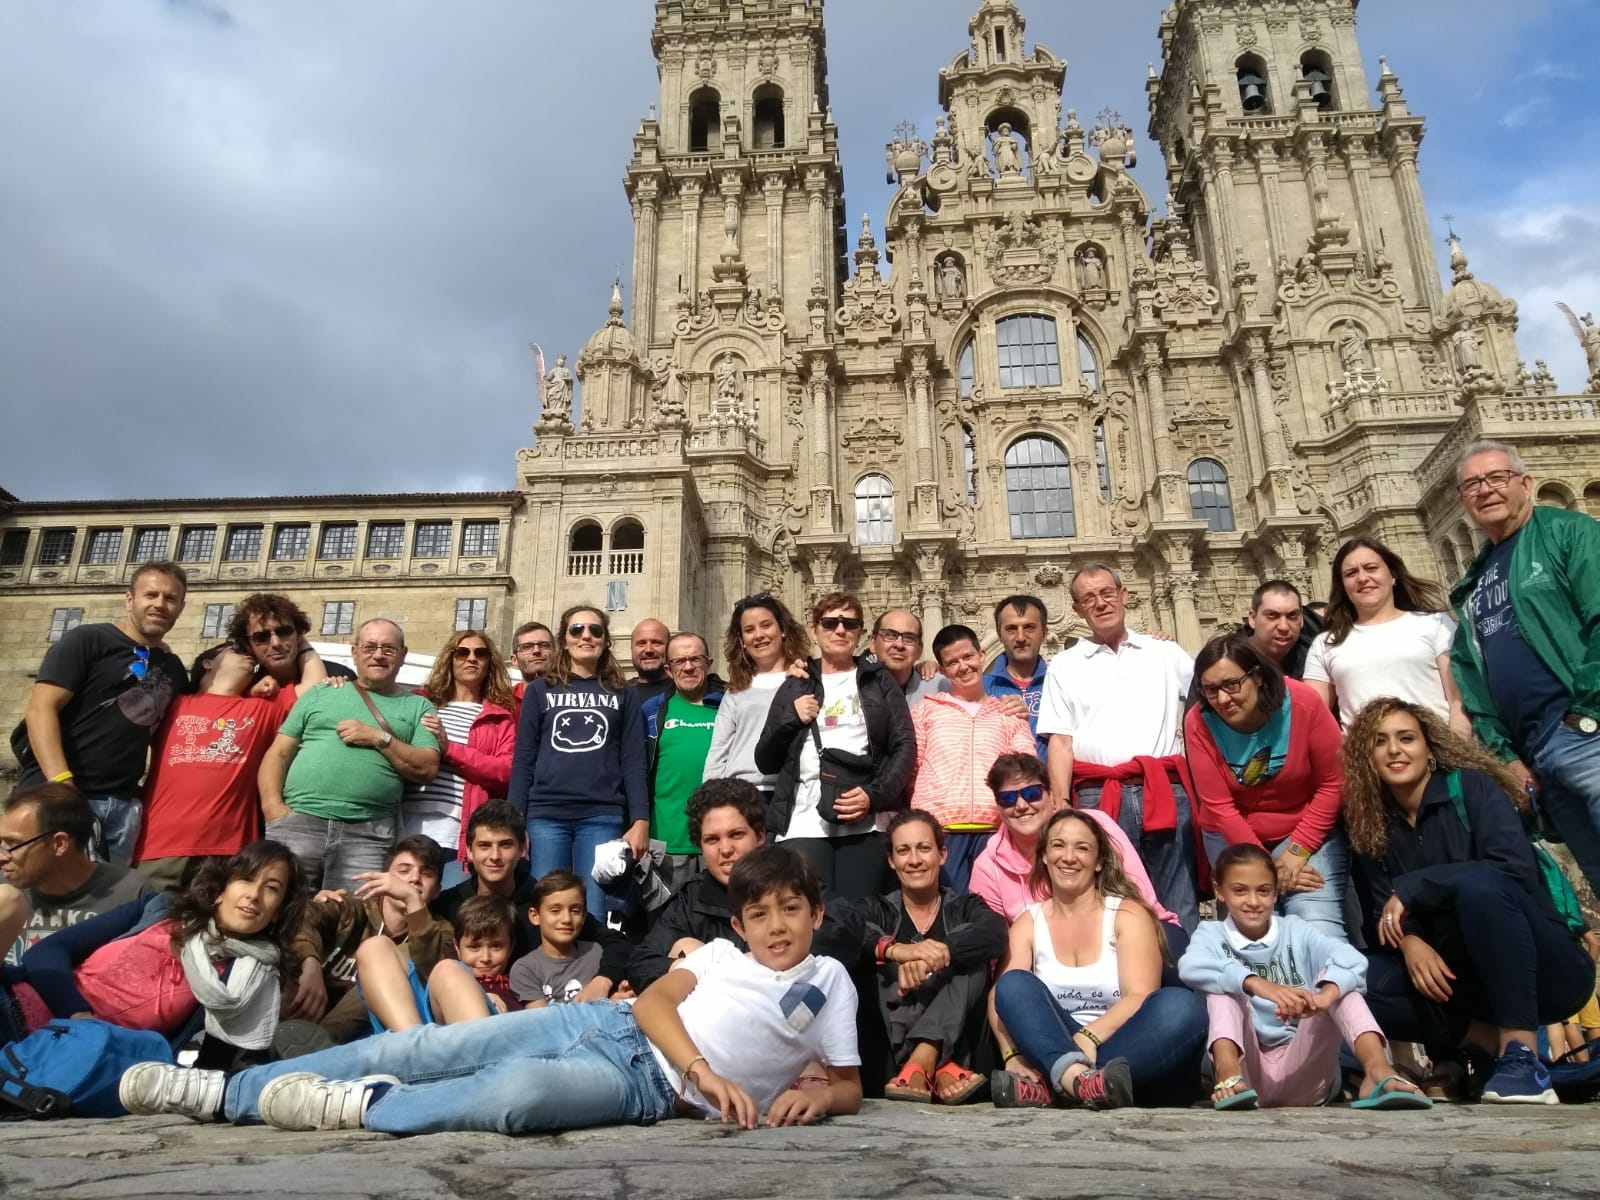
{"x": 1355, "y": 356}
{"x": 950, "y": 285}
{"x": 558, "y": 389}
{"x": 1543, "y": 381}
{"x": 1091, "y": 270}
{"x": 753, "y": 305}
{"x": 1464, "y": 346}
{"x": 1007, "y": 152}
{"x": 729, "y": 382}
{"x": 1591, "y": 347}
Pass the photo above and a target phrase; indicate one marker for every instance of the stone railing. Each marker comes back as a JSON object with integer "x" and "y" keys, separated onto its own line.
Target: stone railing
{"x": 1546, "y": 408}
{"x": 627, "y": 562}
{"x": 1387, "y": 406}
{"x": 584, "y": 562}
{"x": 588, "y": 447}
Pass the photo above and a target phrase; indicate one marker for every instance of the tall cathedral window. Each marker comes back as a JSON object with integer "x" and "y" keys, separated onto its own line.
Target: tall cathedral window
{"x": 1039, "y": 489}
{"x": 705, "y": 119}
{"x": 1088, "y": 364}
{"x": 874, "y": 511}
{"x": 1316, "y": 69}
{"x": 1252, "y": 78}
{"x": 1209, "y": 498}
{"x": 1029, "y": 353}
{"x": 964, "y": 369}
{"x": 584, "y": 549}
{"x": 766, "y": 117}
{"x": 1102, "y": 459}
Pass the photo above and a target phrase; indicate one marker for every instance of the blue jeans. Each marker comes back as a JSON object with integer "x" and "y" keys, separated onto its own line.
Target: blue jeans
{"x": 1167, "y": 857}
{"x": 332, "y": 853}
{"x": 1162, "y": 1041}
{"x": 117, "y": 822}
{"x": 569, "y": 845}
{"x": 453, "y": 872}
{"x": 1568, "y": 766}
{"x": 567, "y": 1066}
{"x": 1324, "y": 907}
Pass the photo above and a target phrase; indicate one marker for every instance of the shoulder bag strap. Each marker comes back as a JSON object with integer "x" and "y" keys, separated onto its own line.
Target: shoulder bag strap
{"x": 373, "y": 709}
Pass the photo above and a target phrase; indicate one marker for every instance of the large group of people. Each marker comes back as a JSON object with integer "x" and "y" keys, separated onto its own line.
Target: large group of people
{"x": 601, "y": 896}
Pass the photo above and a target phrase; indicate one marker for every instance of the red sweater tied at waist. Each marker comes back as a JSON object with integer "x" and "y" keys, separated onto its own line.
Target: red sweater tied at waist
{"x": 1154, "y": 775}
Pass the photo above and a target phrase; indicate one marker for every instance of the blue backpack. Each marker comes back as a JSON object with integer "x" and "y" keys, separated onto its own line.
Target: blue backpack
{"x": 72, "y": 1068}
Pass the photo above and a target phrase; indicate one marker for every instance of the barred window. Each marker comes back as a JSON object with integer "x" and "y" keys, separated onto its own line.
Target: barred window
{"x": 244, "y": 544}
{"x": 480, "y": 539}
{"x": 63, "y": 619}
{"x": 874, "y": 511}
{"x": 55, "y": 548}
{"x": 1029, "y": 353}
{"x": 105, "y": 547}
{"x": 290, "y": 543}
{"x": 472, "y": 613}
{"x": 338, "y": 541}
{"x": 1209, "y": 498}
{"x": 964, "y": 370}
{"x": 197, "y": 543}
{"x": 1088, "y": 364}
{"x": 339, "y": 616}
{"x": 386, "y": 539}
{"x": 216, "y": 621}
{"x": 1039, "y": 489}
{"x": 148, "y": 544}
{"x": 432, "y": 540}
{"x": 14, "y": 548}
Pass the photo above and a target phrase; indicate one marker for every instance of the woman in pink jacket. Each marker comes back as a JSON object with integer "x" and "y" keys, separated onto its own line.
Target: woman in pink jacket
{"x": 477, "y": 729}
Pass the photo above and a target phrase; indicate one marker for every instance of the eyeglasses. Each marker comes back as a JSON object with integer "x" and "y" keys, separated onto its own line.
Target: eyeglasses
{"x": 678, "y": 664}
{"x": 481, "y": 653}
{"x": 1030, "y": 795}
{"x": 9, "y": 849}
{"x": 578, "y": 628}
{"x": 1108, "y": 595}
{"x": 375, "y": 649}
{"x": 1231, "y": 686}
{"x": 284, "y": 633}
{"x": 140, "y": 666}
{"x": 849, "y": 624}
{"x": 530, "y": 647}
{"x": 1495, "y": 481}
{"x": 899, "y": 635}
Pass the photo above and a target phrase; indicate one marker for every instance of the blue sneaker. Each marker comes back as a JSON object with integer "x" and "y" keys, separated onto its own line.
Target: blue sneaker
{"x": 1519, "y": 1078}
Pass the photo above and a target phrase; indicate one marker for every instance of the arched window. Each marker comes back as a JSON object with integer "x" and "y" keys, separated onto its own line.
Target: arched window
{"x": 1088, "y": 364}
{"x": 1102, "y": 459}
{"x": 1209, "y": 498}
{"x": 964, "y": 369}
{"x": 705, "y": 120}
{"x": 1252, "y": 78}
{"x": 1591, "y": 499}
{"x": 627, "y": 547}
{"x": 1039, "y": 489}
{"x": 585, "y": 549}
{"x": 1029, "y": 353}
{"x": 874, "y": 511}
{"x": 1316, "y": 70}
{"x": 969, "y": 462}
{"x": 766, "y": 117}
{"x": 1553, "y": 495}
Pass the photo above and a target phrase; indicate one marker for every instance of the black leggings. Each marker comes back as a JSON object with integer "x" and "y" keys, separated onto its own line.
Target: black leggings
{"x": 851, "y": 867}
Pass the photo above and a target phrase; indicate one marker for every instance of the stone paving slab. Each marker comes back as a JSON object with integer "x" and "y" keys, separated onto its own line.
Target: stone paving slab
{"x": 888, "y": 1151}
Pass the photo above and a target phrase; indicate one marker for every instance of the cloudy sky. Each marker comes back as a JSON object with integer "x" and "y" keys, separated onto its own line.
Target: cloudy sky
{"x": 278, "y": 246}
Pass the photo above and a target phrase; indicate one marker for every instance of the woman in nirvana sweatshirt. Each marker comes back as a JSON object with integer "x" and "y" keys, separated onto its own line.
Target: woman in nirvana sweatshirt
{"x": 579, "y": 768}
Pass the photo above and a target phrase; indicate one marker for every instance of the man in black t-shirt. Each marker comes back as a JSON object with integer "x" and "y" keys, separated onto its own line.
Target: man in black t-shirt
{"x": 99, "y": 698}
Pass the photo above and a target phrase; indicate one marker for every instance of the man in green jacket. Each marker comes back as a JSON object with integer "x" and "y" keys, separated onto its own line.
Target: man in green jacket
{"x": 1527, "y": 650}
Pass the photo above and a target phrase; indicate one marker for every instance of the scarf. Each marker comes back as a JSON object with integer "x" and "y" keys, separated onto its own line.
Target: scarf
{"x": 242, "y": 1009}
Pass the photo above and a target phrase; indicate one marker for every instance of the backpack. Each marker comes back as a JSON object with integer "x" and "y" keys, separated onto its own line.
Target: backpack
{"x": 1550, "y": 872}
{"x": 72, "y": 1068}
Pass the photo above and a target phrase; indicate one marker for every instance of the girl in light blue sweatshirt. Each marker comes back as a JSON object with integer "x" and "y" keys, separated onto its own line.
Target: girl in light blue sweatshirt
{"x": 1281, "y": 995}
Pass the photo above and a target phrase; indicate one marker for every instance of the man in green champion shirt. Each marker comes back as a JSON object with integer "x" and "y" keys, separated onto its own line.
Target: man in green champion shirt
{"x": 332, "y": 780}
{"x": 678, "y": 723}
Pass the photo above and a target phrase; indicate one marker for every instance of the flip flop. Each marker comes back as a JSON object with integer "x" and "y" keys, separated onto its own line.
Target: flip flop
{"x": 900, "y": 1088}
{"x": 1385, "y": 1097}
{"x": 1243, "y": 1101}
{"x": 972, "y": 1084}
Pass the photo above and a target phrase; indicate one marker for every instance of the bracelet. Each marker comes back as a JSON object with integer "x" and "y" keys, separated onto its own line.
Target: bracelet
{"x": 881, "y": 951}
{"x": 823, "y": 1080}
{"x": 61, "y": 778}
{"x": 698, "y": 1058}
{"x": 1093, "y": 1040}
{"x": 1009, "y": 1055}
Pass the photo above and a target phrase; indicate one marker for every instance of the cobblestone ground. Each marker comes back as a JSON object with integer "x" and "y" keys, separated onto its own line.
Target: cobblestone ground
{"x": 889, "y": 1150}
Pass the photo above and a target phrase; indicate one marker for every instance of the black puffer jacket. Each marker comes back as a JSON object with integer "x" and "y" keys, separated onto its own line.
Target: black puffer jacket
{"x": 892, "y": 744}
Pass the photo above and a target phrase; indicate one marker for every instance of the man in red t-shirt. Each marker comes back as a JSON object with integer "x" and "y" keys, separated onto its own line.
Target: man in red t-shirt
{"x": 200, "y": 796}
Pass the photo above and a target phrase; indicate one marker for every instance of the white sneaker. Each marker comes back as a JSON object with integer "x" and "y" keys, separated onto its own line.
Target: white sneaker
{"x": 305, "y": 1100}
{"x": 153, "y": 1087}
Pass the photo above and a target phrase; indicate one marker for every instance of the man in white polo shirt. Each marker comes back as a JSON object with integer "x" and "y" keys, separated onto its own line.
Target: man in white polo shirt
{"x": 1112, "y": 710}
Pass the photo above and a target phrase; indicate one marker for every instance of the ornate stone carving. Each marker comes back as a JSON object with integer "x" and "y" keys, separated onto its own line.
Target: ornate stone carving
{"x": 950, "y": 284}
{"x": 1007, "y": 152}
{"x": 872, "y": 440}
{"x": 869, "y": 312}
{"x": 1020, "y": 251}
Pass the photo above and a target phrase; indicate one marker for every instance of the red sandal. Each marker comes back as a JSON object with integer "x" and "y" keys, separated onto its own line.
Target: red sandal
{"x": 902, "y": 1086}
{"x": 970, "y": 1083}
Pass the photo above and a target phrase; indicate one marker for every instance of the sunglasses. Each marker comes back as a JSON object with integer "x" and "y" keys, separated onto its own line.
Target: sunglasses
{"x": 481, "y": 653}
{"x": 1009, "y": 797}
{"x": 284, "y": 633}
{"x": 140, "y": 666}
{"x": 850, "y": 624}
{"x": 579, "y": 628}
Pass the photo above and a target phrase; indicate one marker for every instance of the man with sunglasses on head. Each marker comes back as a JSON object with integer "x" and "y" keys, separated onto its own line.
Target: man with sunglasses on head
{"x": 332, "y": 780}
{"x": 678, "y": 723}
{"x": 1526, "y": 654}
{"x": 201, "y": 796}
{"x": 98, "y": 699}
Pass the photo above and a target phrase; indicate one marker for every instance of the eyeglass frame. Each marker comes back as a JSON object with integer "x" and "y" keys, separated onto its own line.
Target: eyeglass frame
{"x": 903, "y": 636}
{"x": 1011, "y": 797}
{"x": 1472, "y": 485}
{"x": 1230, "y": 687}
{"x": 480, "y": 653}
{"x": 677, "y": 664}
{"x": 284, "y": 633}
{"x": 11, "y": 850}
{"x": 834, "y": 623}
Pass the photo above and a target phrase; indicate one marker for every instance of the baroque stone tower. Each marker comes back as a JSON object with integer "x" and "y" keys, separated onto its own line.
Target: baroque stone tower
{"x": 1032, "y": 370}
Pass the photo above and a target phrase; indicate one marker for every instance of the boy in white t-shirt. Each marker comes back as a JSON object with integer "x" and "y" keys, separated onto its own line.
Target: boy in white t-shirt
{"x": 723, "y": 1034}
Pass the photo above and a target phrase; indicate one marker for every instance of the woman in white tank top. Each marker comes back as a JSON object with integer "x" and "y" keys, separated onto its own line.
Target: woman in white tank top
{"x": 1079, "y": 1010}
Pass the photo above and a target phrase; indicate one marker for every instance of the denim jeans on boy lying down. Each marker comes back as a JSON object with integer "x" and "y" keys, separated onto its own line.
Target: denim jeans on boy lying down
{"x": 567, "y": 1066}
{"x": 1162, "y": 1041}
{"x": 1324, "y": 907}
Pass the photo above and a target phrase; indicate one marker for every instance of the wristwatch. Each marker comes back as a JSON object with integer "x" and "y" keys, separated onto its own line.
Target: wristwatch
{"x": 384, "y": 738}
{"x": 1583, "y": 724}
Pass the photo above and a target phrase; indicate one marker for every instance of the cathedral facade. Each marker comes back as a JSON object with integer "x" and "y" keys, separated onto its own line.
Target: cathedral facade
{"x": 1022, "y": 366}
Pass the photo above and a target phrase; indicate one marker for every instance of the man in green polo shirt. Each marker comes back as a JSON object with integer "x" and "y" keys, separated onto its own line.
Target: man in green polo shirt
{"x": 332, "y": 780}
{"x": 678, "y": 723}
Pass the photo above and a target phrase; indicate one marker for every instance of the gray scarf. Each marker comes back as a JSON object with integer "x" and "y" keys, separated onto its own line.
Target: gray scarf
{"x": 243, "y": 1009}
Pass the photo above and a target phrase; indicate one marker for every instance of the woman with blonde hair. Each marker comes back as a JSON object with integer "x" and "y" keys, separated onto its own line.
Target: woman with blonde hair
{"x": 1465, "y": 946}
{"x": 1078, "y": 1009}
{"x": 477, "y": 732}
{"x": 578, "y": 773}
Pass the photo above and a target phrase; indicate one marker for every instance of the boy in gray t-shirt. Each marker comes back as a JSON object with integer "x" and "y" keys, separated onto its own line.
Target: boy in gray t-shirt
{"x": 561, "y": 967}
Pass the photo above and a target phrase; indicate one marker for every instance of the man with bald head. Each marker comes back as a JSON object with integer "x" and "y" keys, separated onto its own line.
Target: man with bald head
{"x": 647, "y": 647}
{"x": 896, "y": 640}
{"x": 332, "y": 780}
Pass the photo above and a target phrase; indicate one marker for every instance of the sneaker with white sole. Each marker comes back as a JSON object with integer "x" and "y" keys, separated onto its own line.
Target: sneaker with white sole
{"x": 303, "y": 1100}
{"x": 147, "y": 1089}
{"x": 1519, "y": 1078}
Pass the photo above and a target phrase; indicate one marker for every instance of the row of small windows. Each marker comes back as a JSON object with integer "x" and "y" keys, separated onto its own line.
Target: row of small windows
{"x": 1028, "y": 354}
{"x": 338, "y": 618}
{"x": 1255, "y": 94}
{"x": 1039, "y": 495}
{"x": 290, "y": 543}
{"x": 589, "y": 554}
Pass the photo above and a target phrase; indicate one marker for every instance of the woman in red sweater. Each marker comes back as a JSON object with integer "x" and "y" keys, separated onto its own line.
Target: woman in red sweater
{"x": 1265, "y": 756}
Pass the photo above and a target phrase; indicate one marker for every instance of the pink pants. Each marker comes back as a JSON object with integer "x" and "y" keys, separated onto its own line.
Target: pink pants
{"x": 1302, "y": 1072}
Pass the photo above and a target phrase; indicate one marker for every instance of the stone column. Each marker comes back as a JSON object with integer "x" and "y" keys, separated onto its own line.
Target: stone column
{"x": 773, "y": 189}
{"x": 821, "y": 446}
{"x": 921, "y": 398}
{"x": 1272, "y": 200}
{"x": 1168, "y": 477}
{"x": 1414, "y": 216}
{"x": 1280, "y": 486}
{"x": 1220, "y": 203}
{"x": 646, "y": 217}
{"x": 821, "y": 240}
{"x": 1358, "y": 161}
{"x": 689, "y": 196}
{"x": 731, "y": 190}
{"x": 1185, "y": 617}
